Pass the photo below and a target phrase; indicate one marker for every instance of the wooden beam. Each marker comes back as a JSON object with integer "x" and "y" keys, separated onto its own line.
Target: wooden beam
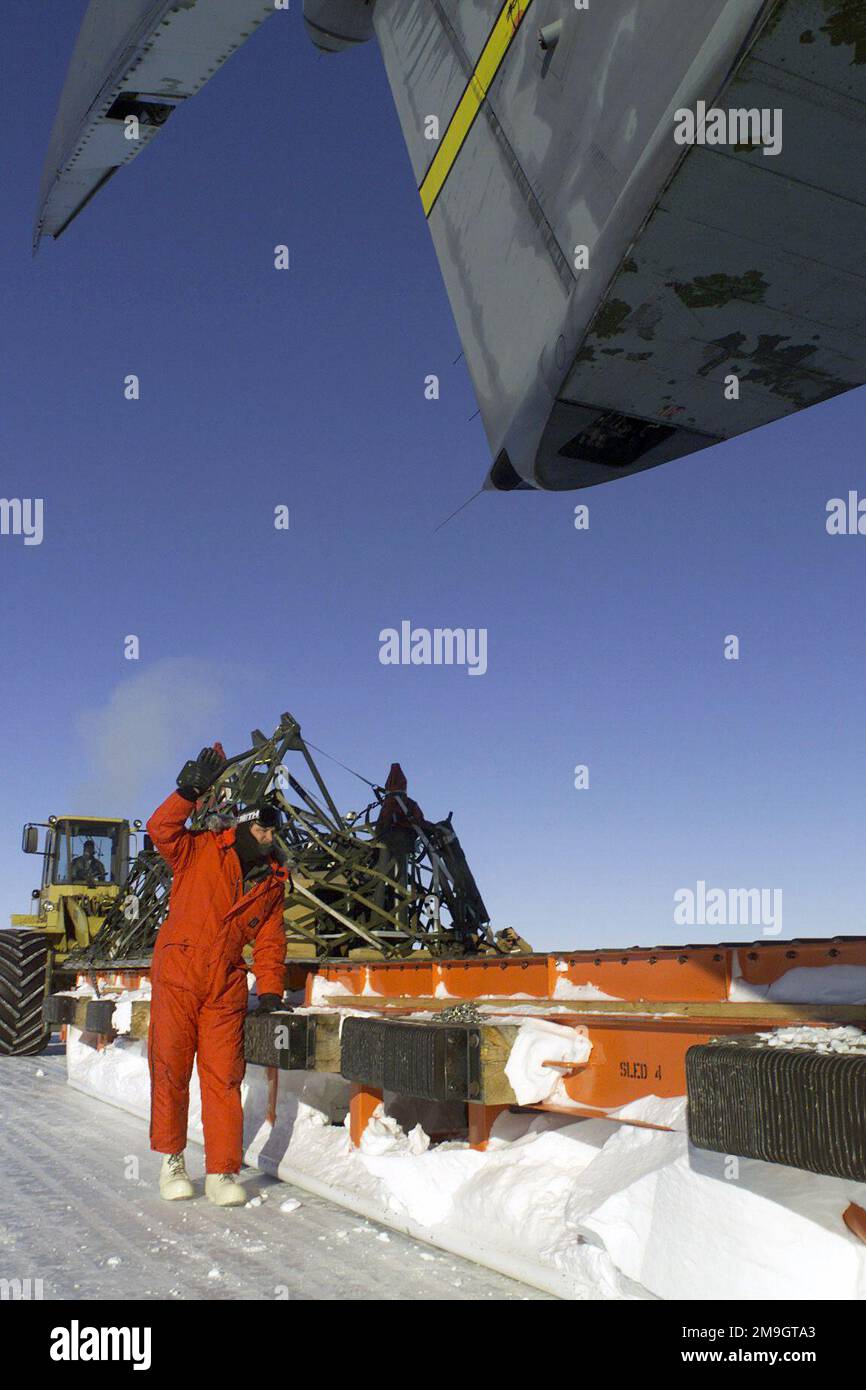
{"x": 140, "y": 1024}
{"x": 728, "y": 1010}
{"x": 496, "y": 1044}
{"x": 327, "y": 1053}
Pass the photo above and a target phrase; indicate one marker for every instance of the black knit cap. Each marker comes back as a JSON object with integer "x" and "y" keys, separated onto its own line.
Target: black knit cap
{"x": 265, "y": 815}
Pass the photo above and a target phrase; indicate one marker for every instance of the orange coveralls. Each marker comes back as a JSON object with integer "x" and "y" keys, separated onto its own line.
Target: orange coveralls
{"x": 199, "y": 982}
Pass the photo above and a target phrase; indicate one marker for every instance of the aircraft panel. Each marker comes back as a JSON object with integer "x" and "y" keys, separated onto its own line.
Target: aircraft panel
{"x": 749, "y": 267}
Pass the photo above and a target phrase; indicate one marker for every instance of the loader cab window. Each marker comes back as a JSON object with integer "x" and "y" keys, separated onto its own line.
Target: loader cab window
{"x": 86, "y": 853}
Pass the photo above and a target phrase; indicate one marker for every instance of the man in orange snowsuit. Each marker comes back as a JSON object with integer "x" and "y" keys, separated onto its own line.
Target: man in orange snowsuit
{"x": 199, "y": 978}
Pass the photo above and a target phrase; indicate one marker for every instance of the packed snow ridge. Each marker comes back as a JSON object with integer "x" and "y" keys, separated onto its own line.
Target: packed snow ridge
{"x": 847, "y": 1039}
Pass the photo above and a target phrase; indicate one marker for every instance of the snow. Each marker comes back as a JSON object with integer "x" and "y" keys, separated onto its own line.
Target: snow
{"x": 497, "y": 1012}
{"x": 537, "y": 1043}
{"x": 582, "y": 1208}
{"x": 384, "y": 1134}
{"x": 121, "y": 1019}
{"x": 846, "y": 1039}
{"x": 812, "y": 984}
{"x": 81, "y": 1209}
{"x": 325, "y": 990}
{"x": 567, "y": 989}
{"x": 691, "y": 1224}
{"x": 667, "y": 1111}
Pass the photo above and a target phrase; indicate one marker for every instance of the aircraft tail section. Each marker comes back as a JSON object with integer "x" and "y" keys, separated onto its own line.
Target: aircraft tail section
{"x": 562, "y": 207}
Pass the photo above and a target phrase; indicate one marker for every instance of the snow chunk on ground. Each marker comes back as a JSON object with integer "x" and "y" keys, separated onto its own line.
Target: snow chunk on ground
{"x": 384, "y": 1135}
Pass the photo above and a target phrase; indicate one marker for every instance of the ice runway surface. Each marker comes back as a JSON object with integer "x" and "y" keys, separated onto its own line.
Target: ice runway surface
{"x": 80, "y": 1211}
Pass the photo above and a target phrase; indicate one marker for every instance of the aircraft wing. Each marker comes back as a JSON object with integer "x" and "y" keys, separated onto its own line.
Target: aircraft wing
{"x": 134, "y": 59}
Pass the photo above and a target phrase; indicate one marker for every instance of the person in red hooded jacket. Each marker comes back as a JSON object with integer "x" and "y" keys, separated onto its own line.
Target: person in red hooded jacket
{"x": 227, "y": 892}
{"x": 397, "y": 830}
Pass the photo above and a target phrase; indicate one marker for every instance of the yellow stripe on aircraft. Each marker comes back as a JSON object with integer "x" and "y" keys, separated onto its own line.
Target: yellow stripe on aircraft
{"x": 498, "y": 43}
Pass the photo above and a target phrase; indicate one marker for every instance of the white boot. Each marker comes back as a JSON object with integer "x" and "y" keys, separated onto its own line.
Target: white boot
{"x": 224, "y": 1191}
{"x": 174, "y": 1184}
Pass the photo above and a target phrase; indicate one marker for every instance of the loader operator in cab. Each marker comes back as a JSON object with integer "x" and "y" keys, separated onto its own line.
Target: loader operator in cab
{"x": 227, "y": 892}
{"x": 86, "y": 867}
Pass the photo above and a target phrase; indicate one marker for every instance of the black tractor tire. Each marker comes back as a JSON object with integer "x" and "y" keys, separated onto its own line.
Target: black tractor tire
{"x": 23, "y": 967}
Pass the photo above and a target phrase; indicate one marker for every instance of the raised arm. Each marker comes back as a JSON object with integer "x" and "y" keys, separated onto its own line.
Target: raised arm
{"x": 168, "y": 829}
{"x": 167, "y": 826}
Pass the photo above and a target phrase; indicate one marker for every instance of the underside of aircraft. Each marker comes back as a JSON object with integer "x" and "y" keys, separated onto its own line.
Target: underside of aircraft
{"x": 629, "y": 286}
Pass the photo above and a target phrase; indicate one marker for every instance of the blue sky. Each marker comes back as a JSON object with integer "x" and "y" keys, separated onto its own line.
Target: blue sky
{"x": 605, "y": 647}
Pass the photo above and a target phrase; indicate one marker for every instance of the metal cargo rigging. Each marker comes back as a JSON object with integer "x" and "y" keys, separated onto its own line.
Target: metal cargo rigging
{"x": 352, "y": 891}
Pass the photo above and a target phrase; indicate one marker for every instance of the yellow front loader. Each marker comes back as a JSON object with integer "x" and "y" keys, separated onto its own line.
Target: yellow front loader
{"x": 85, "y": 861}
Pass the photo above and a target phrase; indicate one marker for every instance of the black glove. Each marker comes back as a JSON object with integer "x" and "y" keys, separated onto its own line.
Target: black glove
{"x": 268, "y": 1003}
{"x": 195, "y": 777}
